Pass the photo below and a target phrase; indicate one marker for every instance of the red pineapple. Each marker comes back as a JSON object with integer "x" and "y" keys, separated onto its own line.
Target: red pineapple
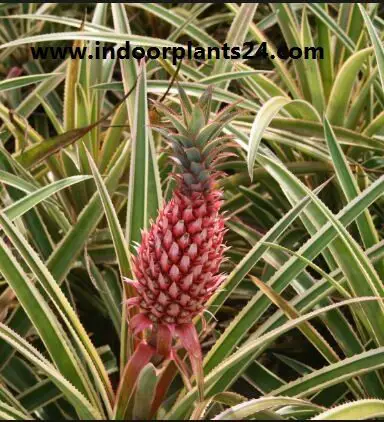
{"x": 177, "y": 264}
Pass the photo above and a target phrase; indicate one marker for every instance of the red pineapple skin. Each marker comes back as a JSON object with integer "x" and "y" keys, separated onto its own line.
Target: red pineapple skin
{"x": 179, "y": 258}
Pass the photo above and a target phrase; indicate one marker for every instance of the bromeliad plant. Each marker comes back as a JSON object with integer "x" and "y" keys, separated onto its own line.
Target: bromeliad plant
{"x": 294, "y": 328}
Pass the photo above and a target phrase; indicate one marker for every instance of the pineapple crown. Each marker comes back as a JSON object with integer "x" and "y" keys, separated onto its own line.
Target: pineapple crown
{"x": 195, "y": 140}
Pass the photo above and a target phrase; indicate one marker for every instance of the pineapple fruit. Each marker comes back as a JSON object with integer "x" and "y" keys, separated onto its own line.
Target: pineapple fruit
{"x": 178, "y": 261}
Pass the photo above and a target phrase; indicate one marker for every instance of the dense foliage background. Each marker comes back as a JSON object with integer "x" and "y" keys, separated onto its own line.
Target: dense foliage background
{"x": 297, "y": 327}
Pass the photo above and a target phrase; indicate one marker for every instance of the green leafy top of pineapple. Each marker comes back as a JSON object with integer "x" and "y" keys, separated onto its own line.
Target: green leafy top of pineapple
{"x": 194, "y": 139}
